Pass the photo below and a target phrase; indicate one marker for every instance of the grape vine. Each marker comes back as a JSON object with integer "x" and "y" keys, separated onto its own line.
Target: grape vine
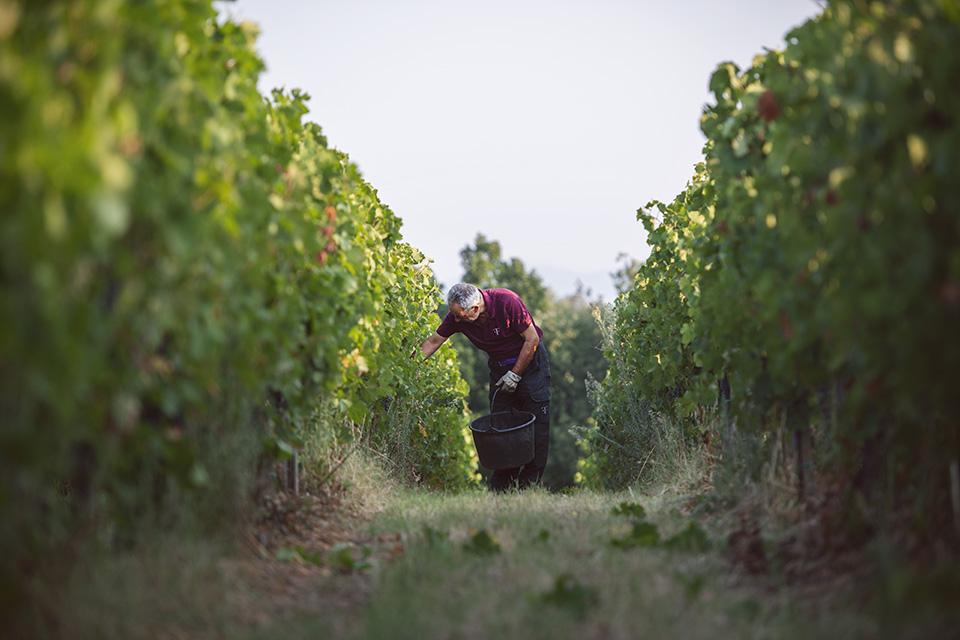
{"x": 187, "y": 265}
{"x": 812, "y": 265}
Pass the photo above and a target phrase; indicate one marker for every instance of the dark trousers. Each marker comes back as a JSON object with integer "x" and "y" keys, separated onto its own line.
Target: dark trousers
{"x": 533, "y": 395}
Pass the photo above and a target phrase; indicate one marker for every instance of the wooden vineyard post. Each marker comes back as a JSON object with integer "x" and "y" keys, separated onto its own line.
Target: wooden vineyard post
{"x": 293, "y": 475}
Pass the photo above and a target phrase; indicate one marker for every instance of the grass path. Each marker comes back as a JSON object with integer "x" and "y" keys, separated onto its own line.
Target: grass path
{"x": 477, "y": 565}
{"x": 539, "y": 565}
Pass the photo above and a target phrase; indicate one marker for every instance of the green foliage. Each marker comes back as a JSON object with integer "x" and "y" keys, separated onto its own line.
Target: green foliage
{"x": 299, "y": 554}
{"x": 630, "y": 509}
{"x": 434, "y": 537}
{"x": 837, "y": 200}
{"x": 570, "y": 595}
{"x": 343, "y": 557}
{"x": 811, "y": 268}
{"x": 185, "y": 265}
{"x": 642, "y": 534}
{"x": 654, "y": 318}
{"x": 628, "y": 441}
{"x": 482, "y": 543}
{"x": 692, "y": 539}
{"x": 574, "y": 343}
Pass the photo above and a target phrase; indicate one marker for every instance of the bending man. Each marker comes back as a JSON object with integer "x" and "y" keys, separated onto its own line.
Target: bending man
{"x": 497, "y": 322}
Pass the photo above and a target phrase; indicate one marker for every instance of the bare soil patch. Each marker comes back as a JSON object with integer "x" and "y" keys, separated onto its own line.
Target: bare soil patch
{"x": 283, "y": 572}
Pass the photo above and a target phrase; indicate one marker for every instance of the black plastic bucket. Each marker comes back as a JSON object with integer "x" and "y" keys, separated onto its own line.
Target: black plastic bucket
{"x": 504, "y": 440}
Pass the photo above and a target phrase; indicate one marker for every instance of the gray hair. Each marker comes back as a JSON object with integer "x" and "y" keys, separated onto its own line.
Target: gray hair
{"x": 463, "y": 295}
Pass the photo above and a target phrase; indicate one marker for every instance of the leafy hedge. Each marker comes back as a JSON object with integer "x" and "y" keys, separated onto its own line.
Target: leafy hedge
{"x": 811, "y": 269}
{"x": 186, "y": 266}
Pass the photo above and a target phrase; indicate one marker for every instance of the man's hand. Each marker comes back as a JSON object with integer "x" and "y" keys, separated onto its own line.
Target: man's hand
{"x": 509, "y": 382}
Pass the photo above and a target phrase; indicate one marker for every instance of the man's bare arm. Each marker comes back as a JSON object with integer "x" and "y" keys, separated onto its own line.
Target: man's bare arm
{"x": 430, "y": 346}
{"x": 530, "y": 343}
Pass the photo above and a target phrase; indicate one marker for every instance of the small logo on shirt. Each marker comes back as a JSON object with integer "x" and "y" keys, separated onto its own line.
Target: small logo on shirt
{"x": 496, "y": 331}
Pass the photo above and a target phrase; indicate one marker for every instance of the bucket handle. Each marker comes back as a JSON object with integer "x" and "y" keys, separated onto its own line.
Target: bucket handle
{"x": 492, "y": 399}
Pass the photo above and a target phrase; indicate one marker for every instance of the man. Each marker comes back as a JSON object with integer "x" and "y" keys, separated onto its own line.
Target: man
{"x": 496, "y": 321}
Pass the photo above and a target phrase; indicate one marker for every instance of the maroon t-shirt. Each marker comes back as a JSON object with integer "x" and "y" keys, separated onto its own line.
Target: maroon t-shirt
{"x": 499, "y": 336}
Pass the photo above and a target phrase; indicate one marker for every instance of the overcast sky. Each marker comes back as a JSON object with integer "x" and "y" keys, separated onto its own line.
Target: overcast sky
{"x": 543, "y": 124}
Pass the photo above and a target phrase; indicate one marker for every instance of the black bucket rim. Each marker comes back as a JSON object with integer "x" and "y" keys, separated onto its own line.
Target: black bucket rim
{"x": 512, "y": 412}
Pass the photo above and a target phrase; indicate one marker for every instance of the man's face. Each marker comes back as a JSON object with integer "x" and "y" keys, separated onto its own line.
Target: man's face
{"x": 461, "y": 315}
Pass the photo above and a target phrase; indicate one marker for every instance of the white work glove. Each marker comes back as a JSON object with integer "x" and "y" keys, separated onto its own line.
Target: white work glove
{"x": 509, "y": 382}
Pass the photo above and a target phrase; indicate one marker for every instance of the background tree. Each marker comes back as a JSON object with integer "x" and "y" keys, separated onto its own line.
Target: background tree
{"x": 573, "y": 340}
{"x": 484, "y": 267}
{"x": 623, "y": 277}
